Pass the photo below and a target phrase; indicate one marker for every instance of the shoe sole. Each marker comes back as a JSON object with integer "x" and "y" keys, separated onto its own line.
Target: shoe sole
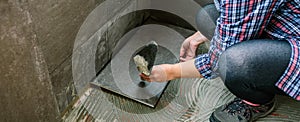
{"x": 267, "y": 113}
{"x": 213, "y": 119}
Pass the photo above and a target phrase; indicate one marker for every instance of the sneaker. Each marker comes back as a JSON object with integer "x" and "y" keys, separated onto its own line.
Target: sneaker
{"x": 239, "y": 111}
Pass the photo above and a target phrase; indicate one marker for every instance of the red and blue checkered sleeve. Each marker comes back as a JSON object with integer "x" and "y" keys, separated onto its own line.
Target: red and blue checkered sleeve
{"x": 239, "y": 20}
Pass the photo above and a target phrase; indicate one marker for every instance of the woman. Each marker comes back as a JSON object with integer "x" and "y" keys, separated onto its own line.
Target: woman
{"x": 254, "y": 49}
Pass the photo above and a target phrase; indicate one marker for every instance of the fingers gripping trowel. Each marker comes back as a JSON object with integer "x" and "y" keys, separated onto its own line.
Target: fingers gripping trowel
{"x": 145, "y": 57}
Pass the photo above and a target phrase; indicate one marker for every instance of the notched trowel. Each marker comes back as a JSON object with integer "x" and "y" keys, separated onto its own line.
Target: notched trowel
{"x": 145, "y": 57}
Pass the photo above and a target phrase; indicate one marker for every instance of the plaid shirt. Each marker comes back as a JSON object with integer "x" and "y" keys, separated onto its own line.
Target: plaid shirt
{"x": 242, "y": 20}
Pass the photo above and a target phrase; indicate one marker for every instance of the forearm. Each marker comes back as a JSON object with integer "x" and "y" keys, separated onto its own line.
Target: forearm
{"x": 185, "y": 70}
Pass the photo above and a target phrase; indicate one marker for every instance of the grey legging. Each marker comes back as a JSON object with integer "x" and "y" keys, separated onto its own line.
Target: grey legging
{"x": 251, "y": 68}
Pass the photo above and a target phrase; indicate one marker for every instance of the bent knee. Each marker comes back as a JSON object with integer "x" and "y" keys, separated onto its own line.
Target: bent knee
{"x": 251, "y": 59}
{"x": 234, "y": 64}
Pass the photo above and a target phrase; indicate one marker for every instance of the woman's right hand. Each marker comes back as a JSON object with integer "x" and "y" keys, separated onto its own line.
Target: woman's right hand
{"x": 190, "y": 45}
{"x": 167, "y": 72}
{"x": 160, "y": 73}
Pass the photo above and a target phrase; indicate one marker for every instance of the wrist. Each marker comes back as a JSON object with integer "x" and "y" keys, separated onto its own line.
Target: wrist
{"x": 199, "y": 37}
{"x": 175, "y": 71}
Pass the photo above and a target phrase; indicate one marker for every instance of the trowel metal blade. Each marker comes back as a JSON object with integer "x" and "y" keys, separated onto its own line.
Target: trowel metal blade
{"x": 148, "y": 52}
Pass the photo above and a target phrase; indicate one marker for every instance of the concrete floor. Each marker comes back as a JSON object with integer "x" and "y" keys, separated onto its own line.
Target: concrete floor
{"x": 186, "y": 100}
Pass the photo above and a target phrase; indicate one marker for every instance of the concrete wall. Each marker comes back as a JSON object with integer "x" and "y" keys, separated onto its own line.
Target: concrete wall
{"x": 25, "y": 90}
{"x": 36, "y": 43}
{"x": 56, "y": 24}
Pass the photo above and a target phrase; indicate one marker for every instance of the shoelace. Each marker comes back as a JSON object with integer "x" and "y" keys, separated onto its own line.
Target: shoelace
{"x": 238, "y": 107}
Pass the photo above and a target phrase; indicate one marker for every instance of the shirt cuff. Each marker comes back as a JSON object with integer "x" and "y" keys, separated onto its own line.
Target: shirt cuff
{"x": 202, "y": 63}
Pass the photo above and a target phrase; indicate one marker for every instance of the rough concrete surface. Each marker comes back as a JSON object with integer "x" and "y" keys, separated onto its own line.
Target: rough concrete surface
{"x": 37, "y": 39}
{"x": 56, "y": 24}
{"x": 25, "y": 90}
